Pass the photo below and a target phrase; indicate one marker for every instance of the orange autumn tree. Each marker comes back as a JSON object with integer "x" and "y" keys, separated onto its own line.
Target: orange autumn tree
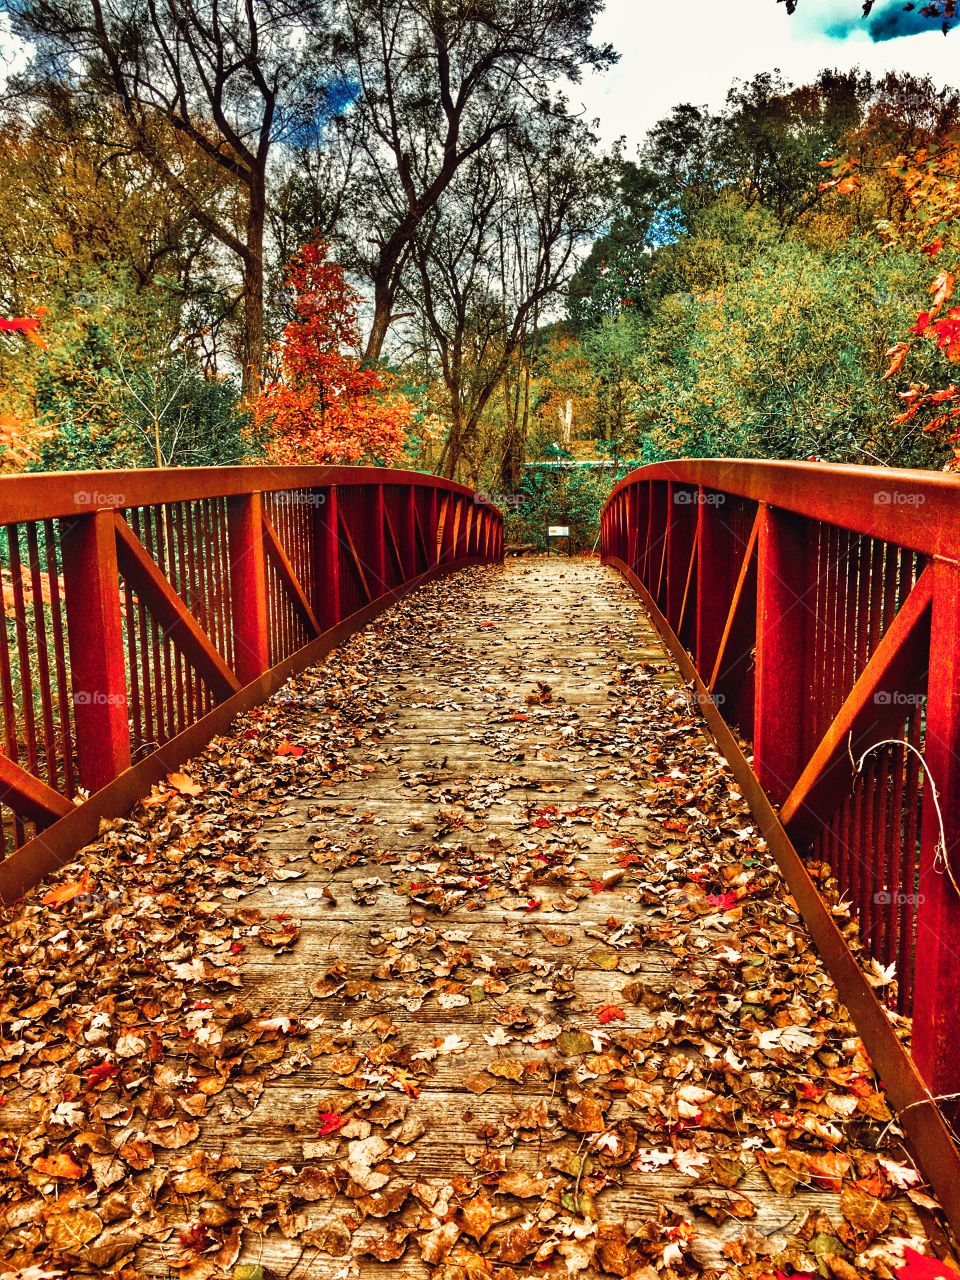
{"x": 931, "y": 182}
{"x": 327, "y": 406}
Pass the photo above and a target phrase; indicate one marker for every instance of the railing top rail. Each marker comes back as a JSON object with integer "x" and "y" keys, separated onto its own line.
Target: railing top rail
{"x": 915, "y": 509}
{"x": 51, "y": 494}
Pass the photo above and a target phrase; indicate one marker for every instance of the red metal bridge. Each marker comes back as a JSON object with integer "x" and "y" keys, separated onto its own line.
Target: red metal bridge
{"x": 811, "y": 615}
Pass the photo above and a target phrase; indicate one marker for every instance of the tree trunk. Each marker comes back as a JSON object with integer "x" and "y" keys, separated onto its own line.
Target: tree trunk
{"x": 253, "y": 337}
{"x": 382, "y": 315}
{"x": 453, "y": 447}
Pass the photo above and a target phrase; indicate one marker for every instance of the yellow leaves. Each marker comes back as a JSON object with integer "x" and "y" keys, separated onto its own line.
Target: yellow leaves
{"x": 183, "y": 783}
{"x": 844, "y": 181}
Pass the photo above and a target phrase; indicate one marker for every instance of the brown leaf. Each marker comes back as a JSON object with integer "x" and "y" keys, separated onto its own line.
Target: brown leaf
{"x": 68, "y": 1232}
{"x": 586, "y": 1116}
{"x": 506, "y": 1069}
{"x": 476, "y": 1216}
{"x": 435, "y": 1245}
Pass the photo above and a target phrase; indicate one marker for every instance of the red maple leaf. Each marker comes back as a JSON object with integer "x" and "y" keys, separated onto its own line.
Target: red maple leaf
{"x": 918, "y": 1266}
{"x": 610, "y": 1013}
{"x": 597, "y": 886}
{"x": 29, "y": 326}
{"x": 288, "y": 749}
{"x": 101, "y": 1073}
{"x": 330, "y": 1122}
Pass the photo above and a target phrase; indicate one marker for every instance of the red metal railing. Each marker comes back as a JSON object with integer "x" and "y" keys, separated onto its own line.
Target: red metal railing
{"x": 138, "y": 603}
{"x": 820, "y": 606}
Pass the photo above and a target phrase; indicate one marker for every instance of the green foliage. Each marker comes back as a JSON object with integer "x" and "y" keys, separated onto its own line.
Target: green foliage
{"x": 571, "y": 496}
{"x": 782, "y": 361}
{"x": 115, "y": 388}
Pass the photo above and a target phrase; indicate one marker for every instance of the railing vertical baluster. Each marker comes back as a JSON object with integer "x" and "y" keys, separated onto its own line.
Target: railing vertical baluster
{"x": 448, "y": 515}
{"x": 780, "y": 673}
{"x": 327, "y": 552}
{"x": 378, "y": 576}
{"x": 407, "y": 532}
{"x": 936, "y": 1007}
{"x": 98, "y": 679}
{"x": 714, "y": 576}
{"x": 248, "y": 583}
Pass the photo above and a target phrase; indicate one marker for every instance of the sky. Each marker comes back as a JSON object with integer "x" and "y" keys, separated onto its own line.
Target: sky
{"x": 675, "y": 51}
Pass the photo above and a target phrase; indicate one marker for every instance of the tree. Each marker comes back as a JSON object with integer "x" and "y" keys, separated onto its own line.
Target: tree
{"x": 204, "y": 89}
{"x": 931, "y": 180}
{"x": 327, "y": 405}
{"x": 111, "y": 383}
{"x": 438, "y": 85}
{"x": 496, "y": 251}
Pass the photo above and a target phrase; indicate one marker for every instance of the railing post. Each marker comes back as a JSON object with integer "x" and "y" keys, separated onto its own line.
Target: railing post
{"x": 91, "y": 581}
{"x": 248, "y": 586}
{"x": 327, "y": 530}
{"x": 780, "y": 672}
{"x": 936, "y": 1001}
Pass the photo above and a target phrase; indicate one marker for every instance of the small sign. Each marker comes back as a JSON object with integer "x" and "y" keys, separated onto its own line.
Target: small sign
{"x": 558, "y": 531}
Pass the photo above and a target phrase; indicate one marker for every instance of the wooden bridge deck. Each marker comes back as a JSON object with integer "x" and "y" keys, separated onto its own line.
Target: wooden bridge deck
{"x": 460, "y": 957}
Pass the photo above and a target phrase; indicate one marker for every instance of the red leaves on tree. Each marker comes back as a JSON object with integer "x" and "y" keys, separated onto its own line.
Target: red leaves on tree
{"x": 327, "y": 406}
{"x": 29, "y": 326}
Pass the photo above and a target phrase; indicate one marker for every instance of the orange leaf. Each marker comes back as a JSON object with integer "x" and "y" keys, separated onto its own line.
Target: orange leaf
{"x": 610, "y": 1013}
{"x": 66, "y": 892}
{"x": 59, "y": 1166}
{"x": 896, "y": 355}
{"x": 942, "y": 289}
{"x": 183, "y": 783}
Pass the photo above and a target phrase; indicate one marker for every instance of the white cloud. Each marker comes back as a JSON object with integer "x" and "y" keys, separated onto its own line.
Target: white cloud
{"x": 692, "y": 53}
